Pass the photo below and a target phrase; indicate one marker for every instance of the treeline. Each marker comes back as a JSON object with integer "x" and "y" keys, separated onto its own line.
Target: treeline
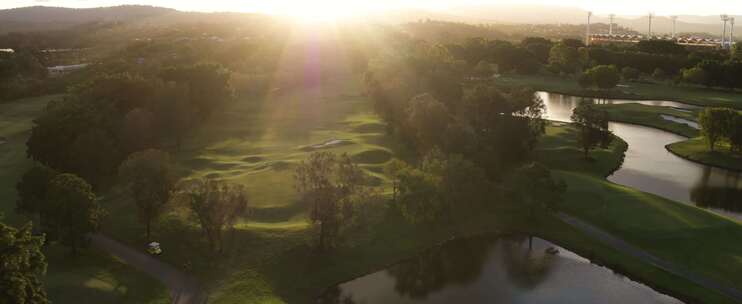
{"x": 94, "y": 128}
{"x": 655, "y": 60}
{"x": 470, "y": 142}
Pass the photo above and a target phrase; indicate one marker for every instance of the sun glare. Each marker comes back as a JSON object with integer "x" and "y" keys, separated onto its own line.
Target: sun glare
{"x": 323, "y": 10}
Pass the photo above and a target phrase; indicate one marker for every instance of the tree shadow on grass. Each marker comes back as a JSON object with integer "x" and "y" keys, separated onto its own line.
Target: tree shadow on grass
{"x": 96, "y": 277}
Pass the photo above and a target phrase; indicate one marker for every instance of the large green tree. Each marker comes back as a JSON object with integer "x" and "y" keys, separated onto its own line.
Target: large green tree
{"x": 22, "y": 264}
{"x": 149, "y": 177}
{"x": 330, "y": 186}
{"x": 429, "y": 118}
{"x": 216, "y": 204}
{"x": 208, "y": 85}
{"x": 33, "y": 190}
{"x": 592, "y": 124}
{"x": 444, "y": 187}
{"x": 604, "y": 76}
{"x": 74, "y": 212}
{"x": 715, "y": 124}
{"x": 565, "y": 58}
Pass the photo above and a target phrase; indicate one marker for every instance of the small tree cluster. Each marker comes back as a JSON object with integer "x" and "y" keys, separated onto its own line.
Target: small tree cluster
{"x": 334, "y": 189}
{"x": 216, "y": 204}
{"x": 22, "y": 266}
{"x": 73, "y": 211}
{"x": 65, "y": 205}
{"x": 593, "y": 126}
{"x": 149, "y": 178}
{"x": 721, "y": 124}
{"x": 537, "y": 189}
{"x": 442, "y": 188}
{"x": 603, "y": 77}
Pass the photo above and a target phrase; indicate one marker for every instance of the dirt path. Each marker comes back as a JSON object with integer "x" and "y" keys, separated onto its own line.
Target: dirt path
{"x": 184, "y": 289}
{"x": 629, "y": 249}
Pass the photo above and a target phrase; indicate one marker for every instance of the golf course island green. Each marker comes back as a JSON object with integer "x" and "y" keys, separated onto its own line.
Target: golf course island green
{"x": 697, "y": 150}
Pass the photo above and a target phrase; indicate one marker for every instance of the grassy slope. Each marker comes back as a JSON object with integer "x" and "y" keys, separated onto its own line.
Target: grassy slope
{"x": 94, "y": 276}
{"x": 683, "y": 234}
{"x": 258, "y": 144}
{"x": 691, "y": 95}
{"x": 268, "y": 259}
{"x": 650, "y": 116}
{"x": 696, "y": 149}
{"x": 15, "y": 123}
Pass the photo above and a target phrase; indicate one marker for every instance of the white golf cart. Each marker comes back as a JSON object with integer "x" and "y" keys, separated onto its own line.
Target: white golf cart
{"x": 154, "y": 248}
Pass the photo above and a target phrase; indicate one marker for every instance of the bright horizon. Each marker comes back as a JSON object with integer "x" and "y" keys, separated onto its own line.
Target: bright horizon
{"x": 334, "y": 9}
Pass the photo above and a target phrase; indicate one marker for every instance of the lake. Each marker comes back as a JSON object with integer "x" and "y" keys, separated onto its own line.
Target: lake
{"x": 495, "y": 270}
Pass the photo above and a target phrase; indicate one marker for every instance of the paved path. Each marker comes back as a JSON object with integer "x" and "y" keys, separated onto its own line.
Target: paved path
{"x": 184, "y": 289}
{"x": 629, "y": 249}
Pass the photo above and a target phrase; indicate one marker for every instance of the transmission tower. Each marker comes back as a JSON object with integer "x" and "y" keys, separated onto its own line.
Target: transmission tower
{"x": 725, "y": 19}
{"x": 674, "y": 23}
{"x": 587, "y": 36}
{"x": 610, "y": 26}
{"x": 649, "y": 33}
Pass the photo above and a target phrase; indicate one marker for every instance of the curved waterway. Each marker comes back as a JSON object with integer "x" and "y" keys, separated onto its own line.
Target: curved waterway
{"x": 649, "y": 167}
{"x": 505, "y": 270}
{"x": 495, "y": 270}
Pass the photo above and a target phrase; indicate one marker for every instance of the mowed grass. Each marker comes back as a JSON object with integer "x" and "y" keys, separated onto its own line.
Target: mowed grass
{"x": 560, "y": 150}
{"x": 703, "y": 242}
{"x": 92, "y": 277}
{"x": 632, "y": 90}
{"x": 96, "y": 277}
{"x": 16, "y": 121}
{"x": 696, "y": 149}
{"x": 258, "y": 143}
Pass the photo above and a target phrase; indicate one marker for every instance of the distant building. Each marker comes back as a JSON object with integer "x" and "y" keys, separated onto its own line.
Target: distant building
{"x": 686, "y": 41}
{"x": 7, "y": 51}
{"x": 60, "y": 70}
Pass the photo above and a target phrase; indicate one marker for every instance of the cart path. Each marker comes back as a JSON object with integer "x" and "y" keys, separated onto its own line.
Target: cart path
{"x": 648, "y": 258}
{"x": 184, "y": 289}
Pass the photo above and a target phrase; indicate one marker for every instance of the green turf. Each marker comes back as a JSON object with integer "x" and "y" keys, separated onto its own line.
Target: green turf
{"x": 696, "y": 149}
{"x": 15, "y": 125}
{"x": 651, "y": 116}
{"x": 632, "y": 90}
{"x": 560, "y": 150}
{"x": 268, "y": 258}
{"x": 685, "y": 235}
{"x": 92, "y": 277}
{"x": 96, "y": 277}
{"x": 258, "y": 143}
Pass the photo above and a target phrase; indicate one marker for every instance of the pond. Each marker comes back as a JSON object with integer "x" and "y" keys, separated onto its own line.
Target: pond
{"x": 495, "y": 270}
{"x": 649, "y": 167}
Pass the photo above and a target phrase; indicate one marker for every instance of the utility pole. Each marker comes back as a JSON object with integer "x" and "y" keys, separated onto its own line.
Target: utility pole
{"x": 610, "y": 27}
{"x": 649, "y": 34}
{"x": 587, "y": 36}
{"x": 674, "y": 21}
{"x": 724, "y": 18}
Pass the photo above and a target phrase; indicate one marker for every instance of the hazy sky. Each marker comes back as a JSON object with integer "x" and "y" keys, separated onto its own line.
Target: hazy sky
{"x": 627, "y": 7}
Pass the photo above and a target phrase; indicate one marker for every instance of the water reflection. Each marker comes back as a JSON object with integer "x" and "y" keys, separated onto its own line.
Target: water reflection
{"x": 718, "y": 192}
{"x": 559, "y": 107}
{"x": 649, "y": 167}
{"x": 489, "y": 270}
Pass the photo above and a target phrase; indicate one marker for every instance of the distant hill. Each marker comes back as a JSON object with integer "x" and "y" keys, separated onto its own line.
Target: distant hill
{"x": 48, "y": 18}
